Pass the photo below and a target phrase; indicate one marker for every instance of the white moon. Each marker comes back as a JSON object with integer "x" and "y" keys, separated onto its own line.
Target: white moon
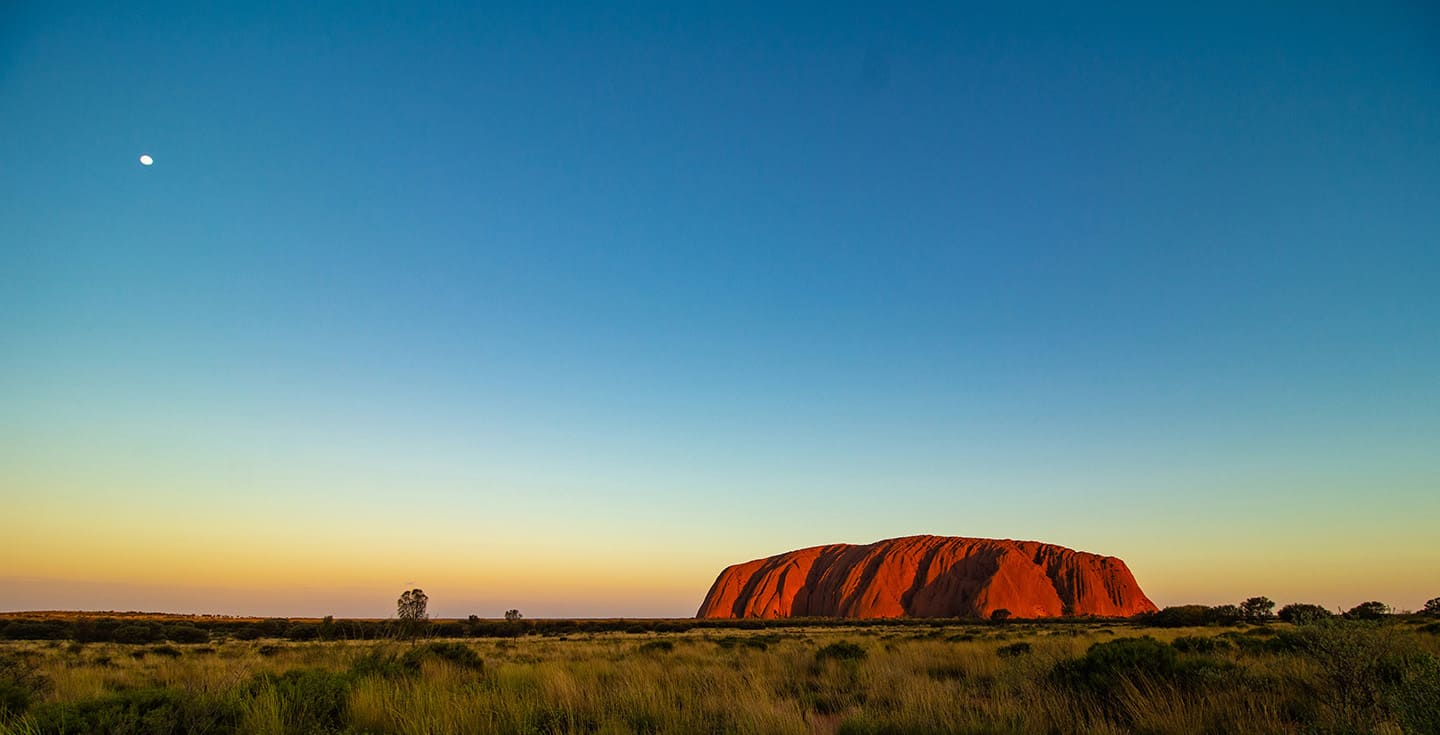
{"x": 145, "y": 159}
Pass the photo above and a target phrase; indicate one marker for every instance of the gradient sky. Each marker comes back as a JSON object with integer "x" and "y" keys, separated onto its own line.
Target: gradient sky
{"x": 565, "y": 309}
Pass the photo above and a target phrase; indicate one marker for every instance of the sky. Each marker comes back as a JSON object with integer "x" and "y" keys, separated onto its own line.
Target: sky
{"x": 565, "y": 308}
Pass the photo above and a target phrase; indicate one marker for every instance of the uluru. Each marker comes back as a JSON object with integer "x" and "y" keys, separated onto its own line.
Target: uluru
{"x": 927, "y": 576}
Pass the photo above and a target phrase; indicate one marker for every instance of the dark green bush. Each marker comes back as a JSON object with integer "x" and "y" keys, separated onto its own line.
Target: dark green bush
{"x": 1104, "y": 668}
{"x": 1200, "y": 644}
{"x": 841, "y": 651}
{"x": 458, "y": 654}
{"x": 314, "y": 700}
{"x": 1355, "y": 662}
{"x": 1414, "y": 695}
{"x": 759, "y": 642}
{"x": 389, "y": 665}
{"x": 657, "y": 647}
{"x": 1180, "y": 616}
{"x": 135, "y": 634}
{"x": 186, "y": 634}
{"x": 302, "y": 632}
{"x": 383, "y": 665}
{"x": 1014, "y": 649}
{"x": 20, "y": 684}
{"x": 1285, "y": 643}
{"x": 1372, "y": 610}
{"x": 138, "y": 712}
{"x": 37, "y": 630}
{"x": 1300, "y": 613}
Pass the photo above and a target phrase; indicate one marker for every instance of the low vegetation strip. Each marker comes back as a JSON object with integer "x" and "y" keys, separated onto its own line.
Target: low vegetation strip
{"x": 1330, "y": 675}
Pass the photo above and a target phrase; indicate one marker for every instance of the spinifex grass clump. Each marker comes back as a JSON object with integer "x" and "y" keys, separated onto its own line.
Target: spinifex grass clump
{"x": 841, "y": 651}
{"x": 389, "y": 664}
{"x": 149, "y": 711}
{"x": 1200, "y": 644}
{"x": 656, "y": 647}
{"x": 457, "y": 654}
{"x": 1108, "y": 669}
{"x": 309, "y": 700}
{"x": 21, "y": 683}
{"x": 1014, "y": 649}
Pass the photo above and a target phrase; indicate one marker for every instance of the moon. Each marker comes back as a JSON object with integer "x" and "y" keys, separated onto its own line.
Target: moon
{"x": 145, "y": 159}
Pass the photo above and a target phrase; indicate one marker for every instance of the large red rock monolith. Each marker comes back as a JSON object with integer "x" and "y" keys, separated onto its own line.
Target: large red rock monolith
{"x": 927, "y": 576}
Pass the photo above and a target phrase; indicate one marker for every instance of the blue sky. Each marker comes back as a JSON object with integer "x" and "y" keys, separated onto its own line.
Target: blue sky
{"x": 709, "y": 283}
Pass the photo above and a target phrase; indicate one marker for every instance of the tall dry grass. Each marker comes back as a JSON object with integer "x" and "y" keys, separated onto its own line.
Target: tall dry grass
{"x": 907, "y": 680}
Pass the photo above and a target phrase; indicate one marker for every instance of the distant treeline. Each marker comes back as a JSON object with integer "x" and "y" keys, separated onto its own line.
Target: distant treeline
{"x": 204, "y": 629}
{"x": 200, "y": 630}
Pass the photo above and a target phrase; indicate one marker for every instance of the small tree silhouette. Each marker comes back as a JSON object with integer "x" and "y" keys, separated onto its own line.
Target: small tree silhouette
{"x": 1372, "y": 610}
{"x": 513, "y": 616}
{"x": 1432, "y": 607}
{"x": 1257, "y": 609}
{"x": 410, "y": 609}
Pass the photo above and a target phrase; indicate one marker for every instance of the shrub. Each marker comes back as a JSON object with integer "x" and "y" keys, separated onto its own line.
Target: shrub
{"x": 314, "y": 700}
{"x": 138, "y": 712}
{"x": 458, "y": 654}
{"x": 758, "y": 642}
{"x": 1200, "y": 644}
{"x": 1257, "y": 609}
{"x": 1014, "y": 649}
{"x": 1355, "y": 660}
{"x": 382, "y": 665}
{"x": 452, "y": 629}
{"x": 657, "y": 647}
{"x": 1105, "y": 665}
{"x": 1106, "y": 668}
{"x": 20, "y": 684}
{"x": 1224, "y": 615}
{"x": 1432, "y": 607}
{"x": 134, "y": 634}
{"x": 1181, "y": 616}
{"x": 37, "y": 630}
{"x": 1372, "y": 610}
{"x": 186, "y": 634}
{"x": 1300, "y": 613}
{"x": 841, "y": 651}
{"x": 302, "y": 632}
{"x": 166, "y": 651}
{"x": 1415, "y": 695}
{"x": 1000, "y": 615}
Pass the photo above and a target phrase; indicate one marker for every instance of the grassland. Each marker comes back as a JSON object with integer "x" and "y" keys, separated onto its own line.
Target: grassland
{"x": 1337, "y": 677}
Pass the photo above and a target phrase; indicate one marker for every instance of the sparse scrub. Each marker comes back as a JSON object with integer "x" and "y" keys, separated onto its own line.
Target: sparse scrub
{"x": 827, "y": 678}
{"x": 1014, "y": 649}
{"x": 655, "y": 647}
{"x": 1200, "y": 644}
{"x": 841, "y": 651}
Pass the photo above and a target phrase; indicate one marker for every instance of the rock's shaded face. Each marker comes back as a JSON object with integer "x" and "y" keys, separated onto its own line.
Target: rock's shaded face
{"x": 927, "y": 576}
